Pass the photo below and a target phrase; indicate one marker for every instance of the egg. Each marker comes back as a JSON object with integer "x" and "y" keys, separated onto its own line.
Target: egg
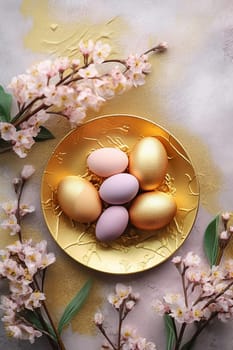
{"x": 119, "y": 188}
{"x": 152, "y": 210}
{"x": 112, "y": 223}
{"x": 107, "y": 161}
{"x": 79, "y": 199}
{"x": 148, "y": 162}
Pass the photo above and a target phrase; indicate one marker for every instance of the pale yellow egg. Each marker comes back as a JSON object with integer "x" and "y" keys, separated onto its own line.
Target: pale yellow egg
{"x": 148, "y": 162}
{"x": 152, "y": 210}
{"x": 79, "y": 199}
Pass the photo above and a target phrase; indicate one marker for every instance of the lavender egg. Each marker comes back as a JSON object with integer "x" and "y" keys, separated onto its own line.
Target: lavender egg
{"x": 112, "y": 223}
{"x": 119, "y": 188}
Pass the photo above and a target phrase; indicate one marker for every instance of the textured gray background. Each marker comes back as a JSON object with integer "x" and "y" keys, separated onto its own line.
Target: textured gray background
{"x": 199, "y": 100}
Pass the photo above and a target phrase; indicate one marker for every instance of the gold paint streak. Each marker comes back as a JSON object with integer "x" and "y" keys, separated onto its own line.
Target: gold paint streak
{"x": 208, "y": 173}
{"x": 63, "y": 280}
{"x": 53, "y": 36}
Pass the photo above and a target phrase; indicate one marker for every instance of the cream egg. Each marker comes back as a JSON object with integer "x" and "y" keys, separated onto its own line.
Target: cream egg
{"x": 148, "y": 162}
{"x": 79, "y": 199}
{"x": 107, "y": 161}
{"x": 119, "y": 188}
{"x": 152, "y": 210}
{"x": 112, "y": 223}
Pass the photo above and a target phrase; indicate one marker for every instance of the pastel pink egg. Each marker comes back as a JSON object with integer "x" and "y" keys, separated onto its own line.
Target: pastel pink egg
{"x": 107, "y": 161}
{"x": 112, "y": 223}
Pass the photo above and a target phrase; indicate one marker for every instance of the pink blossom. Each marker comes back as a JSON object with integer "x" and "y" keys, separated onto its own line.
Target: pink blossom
{"x": 7, "y": 131}
{"x": 75, "y": 115}
{"x": 180, "y": 313}
{"x": 138, "y": 64}
{"x": 130, "y": 305}
{"x": 43, "y": 68}
{"x": 176, "y": 260}
{"x": 27, "y": 171}
{"x": 192, "y": 259}
{"x": 11, "y": 224}
{"x": 193, "y": 276}
{"x": 135, "y": 79}
{"x": 22, "y": 331}
{"x": 26, "y": 209}
{"x": 224, "y": 235}
{"x": 195, "y": 314}
{"x": 61, "y": 64}
{"x": 160, "y": 307}
{"x": 34, "y": 300}
{"x": 75, "y": 63}
{"x": 10, "y": 269}
{"x": 100, "y": 52}
{"x": 9, "y": 207}
{"x": 208, "y": 289}
{"x": 173, "y": 298}
{"x": 89, "y": 72}
{"x": 87, "y": 47}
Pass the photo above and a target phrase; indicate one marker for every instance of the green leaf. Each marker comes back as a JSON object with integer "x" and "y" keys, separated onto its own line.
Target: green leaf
{"x": 44, "y": 134}
{"x": 170, "y": 331}
{"x": 5, "y": 105}
{"x": 34, "y": 319}
{"x": 211, "y": 241}
{"x": 74, "y": 306}
{"x": 189, "y": 345}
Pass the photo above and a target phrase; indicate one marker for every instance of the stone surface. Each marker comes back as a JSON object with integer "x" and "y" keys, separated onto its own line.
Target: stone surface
{"x": 189, "y": 92}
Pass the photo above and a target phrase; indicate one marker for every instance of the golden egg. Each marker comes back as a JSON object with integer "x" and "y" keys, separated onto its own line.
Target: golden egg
{"x": 79, "y": 199}
{"x": 148, "y": 163}
{"x": 152, "y": 210}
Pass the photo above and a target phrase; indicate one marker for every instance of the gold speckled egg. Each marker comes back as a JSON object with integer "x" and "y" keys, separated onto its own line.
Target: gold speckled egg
{"x": 148, "y": 163}
{"x": 79, "y": 199}
{"x": 152, "y": 210}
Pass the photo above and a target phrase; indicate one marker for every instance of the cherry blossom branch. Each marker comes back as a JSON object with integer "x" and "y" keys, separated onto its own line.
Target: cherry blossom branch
{"x": 123, "y": 301}
{"x": 59, "y": 340}
{"x": 180, "y": 337}
{"x": 70, "y": 88}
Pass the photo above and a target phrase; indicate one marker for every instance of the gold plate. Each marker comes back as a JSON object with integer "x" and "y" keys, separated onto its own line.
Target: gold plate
{"x": 135, "y": 250}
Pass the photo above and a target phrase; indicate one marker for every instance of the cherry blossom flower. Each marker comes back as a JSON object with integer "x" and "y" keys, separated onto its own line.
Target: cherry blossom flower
{"x": 7, "y": 131}
{"x": 27, "y": 172}
{"x": 61, "y": 64}
{"x": 89, "y": 72}
{"x": 22, "y": 331}
{"x": 176, "y": 260}
{"x": 9, "y": 207}
{"x": 11, "y": 224}
{"x": 34, "y": 300}
{"x": 191, "y": 259}
{"x": 138, "y": 64}
{"x": 87, "y": 47}
{"x": 100, "y": 52}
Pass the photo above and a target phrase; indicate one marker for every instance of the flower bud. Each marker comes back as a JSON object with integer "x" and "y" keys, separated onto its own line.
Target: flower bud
{"x": 224, "y": 236}
{"x": 98, "y": 319}
{"x": 225, "y": 216}
{"x": 163, "y": 46}
{"x": 224, "y": 239}
{"x": 177, "y": 260}
{"x": 27, "y": 171}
